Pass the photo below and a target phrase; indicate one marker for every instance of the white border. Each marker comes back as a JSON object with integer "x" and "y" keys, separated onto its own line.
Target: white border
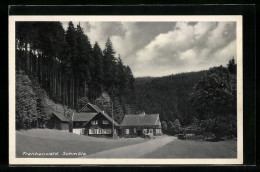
{"x": 71, "y": 161}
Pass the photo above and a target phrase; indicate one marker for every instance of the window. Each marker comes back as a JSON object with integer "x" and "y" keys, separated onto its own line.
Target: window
{"x": 126, "y": 131}
{"x": 105, "y": 122}
{"x": 150, "y": 130}
{"x": 90, "y": 131}
{"x": 99, "y": 131}
{"x": 104, "y": 131}
{"x": 108, "y": 131}
{"x": 144, "y": 131}
{"x": 94, "y": 122}
{"x": 158, "y": 131}
{"x": 134, "y": 130}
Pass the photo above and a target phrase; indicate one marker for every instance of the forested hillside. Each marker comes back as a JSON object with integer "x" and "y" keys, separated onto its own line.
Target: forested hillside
{"x": 69, "y": 68}
{"x": 33, "y": 106}
{"x": 205, "y": 101}
{"x": 168, "y": 96}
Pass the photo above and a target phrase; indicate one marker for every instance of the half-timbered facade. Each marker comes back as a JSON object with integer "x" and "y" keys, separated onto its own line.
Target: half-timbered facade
{"x": 101, "y": 125}
{"x": 83, "y": 116}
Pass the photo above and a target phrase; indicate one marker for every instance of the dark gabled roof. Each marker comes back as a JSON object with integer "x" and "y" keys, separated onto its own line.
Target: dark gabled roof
{"x": 94, "y": 107}
{"x": 140, "y": 120}
{"x": 80, "y": 116}
{"x": 109, "y": 118}
{"x": 86, "y": 116}
{"x": 60, "y": 116}
{"x": 77, "y": 116}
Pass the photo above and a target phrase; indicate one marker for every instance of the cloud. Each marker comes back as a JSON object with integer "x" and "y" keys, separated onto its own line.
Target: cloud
{"x": 164, "y": 48}
{"x": 127, "y": 37}
{"x": 100, "y": 31}
{"x": 188, "y": 48}
{"x": 137, "y": 35}
{"x": 188, "y": 55}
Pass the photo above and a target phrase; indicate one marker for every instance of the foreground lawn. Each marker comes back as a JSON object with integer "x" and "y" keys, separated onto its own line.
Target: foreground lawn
{"x": 195, "y": 149}
{"x": 48, "y": 141}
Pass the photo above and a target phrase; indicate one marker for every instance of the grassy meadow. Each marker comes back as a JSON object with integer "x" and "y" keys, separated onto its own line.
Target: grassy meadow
{"x": 195, "y": 149}
{"x": 47, "y": 140}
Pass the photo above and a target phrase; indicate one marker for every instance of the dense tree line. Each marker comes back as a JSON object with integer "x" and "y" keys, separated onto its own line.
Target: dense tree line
{"x": 168, "y": 96}
{"x": 68, "y": 67}
{"x": 187, "y": 95}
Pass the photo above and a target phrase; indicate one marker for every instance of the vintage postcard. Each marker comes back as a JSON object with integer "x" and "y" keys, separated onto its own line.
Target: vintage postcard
{"x": 115, "y": 90}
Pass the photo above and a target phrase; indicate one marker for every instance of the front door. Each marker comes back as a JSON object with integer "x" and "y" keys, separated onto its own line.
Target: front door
{"x": 120, "y": 132}
{"x": 139, "y": 132}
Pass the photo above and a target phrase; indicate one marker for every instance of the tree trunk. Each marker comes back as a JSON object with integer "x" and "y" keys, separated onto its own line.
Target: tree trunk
{"x": 63, "y": 92}
{"x": 36, "y": 66}
{"x": 77, "y": 92}
{"x": 27, "y": 58}
{"x": 60, "y": 83}
{"x": 85, "y": 88}
{"x": 40, "y": 68}
{"x": 73, "y": 101}
{"x": 31, "y": 62}
{"x": 67, "y": 93}
{"x": 55, "y": 86}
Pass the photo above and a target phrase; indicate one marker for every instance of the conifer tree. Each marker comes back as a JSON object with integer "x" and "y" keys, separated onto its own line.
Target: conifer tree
{"x": 109, "y": 65}
{"x": 97, "y": 71}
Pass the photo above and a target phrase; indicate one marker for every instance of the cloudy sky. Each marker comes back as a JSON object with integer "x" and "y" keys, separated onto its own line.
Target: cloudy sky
{"x": 165, "y": 48}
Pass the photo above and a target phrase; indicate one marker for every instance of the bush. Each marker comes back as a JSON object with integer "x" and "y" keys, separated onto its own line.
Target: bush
{"x": 164, "y": 127}
{"x": 170, "y": 128}
{"x": 220, "y": 126}
{"x": 175, "y": 127}
{"x": 225, "y": 126}
{"x": 195, "y": 127}
{"x": 194, "y": 137}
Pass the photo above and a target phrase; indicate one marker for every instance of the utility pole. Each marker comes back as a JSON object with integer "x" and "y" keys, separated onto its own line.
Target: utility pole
{"x": 71, "y": 123}
{"x": 112, "y": 121}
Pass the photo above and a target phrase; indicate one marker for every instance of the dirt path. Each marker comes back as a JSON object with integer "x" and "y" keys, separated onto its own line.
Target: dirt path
{"x": 133, "y": 151}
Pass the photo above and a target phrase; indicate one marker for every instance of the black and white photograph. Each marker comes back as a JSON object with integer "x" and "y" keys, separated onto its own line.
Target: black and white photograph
{"x": 125, "y": 90}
